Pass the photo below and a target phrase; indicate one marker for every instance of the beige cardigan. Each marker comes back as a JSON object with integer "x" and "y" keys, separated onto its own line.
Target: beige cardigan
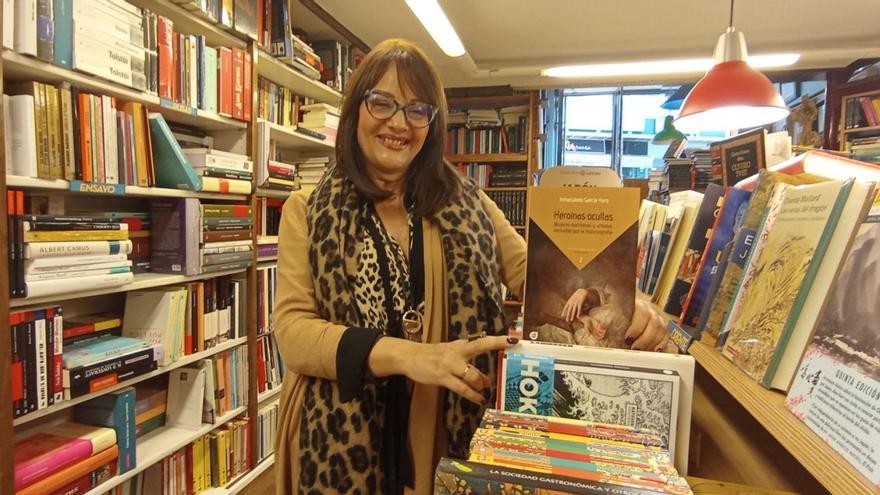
{"x": 308, "y": 343}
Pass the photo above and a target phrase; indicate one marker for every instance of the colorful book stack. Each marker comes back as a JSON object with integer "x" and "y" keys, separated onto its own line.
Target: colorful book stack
{"x": 267, "y": 429}
{"x": 270, "y": 367}
{"x": 64, "y": 254}
{"x": 66, "y": 458}
{"x": 277, "y": 104}
{"x": 151, "y": 405}
{"x": 114, "y": 410}
{"x": 211, "y": 461}
{"x": 94, "y": 364}
{"x": 36, "y": 371}
{"x": 866, "y": 149}
{"x": 487, "y": 131}
{"x": 221, "y": 171}
{"x": 321, "y": 118}
{"x": 227, "y": 388}
{"x": 560, "y": 456}
{"x": 338, "y": 61}
{"x": 508, "y": 176}
{"x": 227, "y": 237}
{"x": 278, "y": 175}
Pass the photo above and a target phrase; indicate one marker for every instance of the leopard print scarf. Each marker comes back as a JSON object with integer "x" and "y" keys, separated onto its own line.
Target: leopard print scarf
{"x": 472, "y": 271}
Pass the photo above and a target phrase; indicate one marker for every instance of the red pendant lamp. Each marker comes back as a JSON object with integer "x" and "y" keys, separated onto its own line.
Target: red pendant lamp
{"x": 732, "y": 95}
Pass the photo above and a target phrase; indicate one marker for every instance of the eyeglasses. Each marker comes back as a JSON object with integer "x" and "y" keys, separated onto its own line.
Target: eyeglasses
{"x": 383, "y": 106}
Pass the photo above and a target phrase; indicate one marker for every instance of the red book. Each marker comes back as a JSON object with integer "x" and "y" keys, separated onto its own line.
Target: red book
{"x": 261, "y": 367}
{"x": 59, "y": 479}
{"x": 165, "y": 47}
{"x": 16, "y": 369}
{"x": 238, "y": 83}
{"x": 247, "y": 87}
{"x": 89, "y": 481}
{"x": 176, "y": 86}
{"x": 189, "y": 469}
{"x": 224, "y": 81}
{"x": 57, "y": 386}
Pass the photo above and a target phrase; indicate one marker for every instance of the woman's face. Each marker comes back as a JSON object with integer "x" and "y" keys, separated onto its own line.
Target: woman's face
{"x": 390, "y": 145}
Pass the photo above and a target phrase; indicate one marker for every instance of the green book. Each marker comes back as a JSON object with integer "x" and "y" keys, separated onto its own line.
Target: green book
{"x": 172, "y": 168}
{"x": 210, "y": 79}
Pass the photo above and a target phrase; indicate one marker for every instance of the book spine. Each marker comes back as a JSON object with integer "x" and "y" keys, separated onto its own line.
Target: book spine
{"x": 45, "y": 30}
{"x": 50, "y": 287}
{"x": 32, "y": 470}
{"x": 58, "y": 356}
{"x": 35, "y": 250}
{"x": 63, "y": 42}
{"x": 105, "y": 381}
{"x": 225, "y": 81}
{"x": 75, "y": 235}
{"x": 42, "y": 362}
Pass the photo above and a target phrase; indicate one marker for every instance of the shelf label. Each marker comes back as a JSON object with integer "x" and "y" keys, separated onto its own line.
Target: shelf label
{"x": 95, "y": 187}
{"x": 180, "y": 107}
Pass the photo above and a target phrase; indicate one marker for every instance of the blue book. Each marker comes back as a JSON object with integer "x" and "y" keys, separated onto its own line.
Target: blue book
{"x": 64, "y": 33}
{"x": 528, "y": 384}
{"x": 114, "y": 410}
{"x": 97, "y": 350}
{"x": 172, "y": 168}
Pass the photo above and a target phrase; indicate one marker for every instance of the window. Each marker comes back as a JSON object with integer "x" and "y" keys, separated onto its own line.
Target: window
{"x": 588, "y": 125}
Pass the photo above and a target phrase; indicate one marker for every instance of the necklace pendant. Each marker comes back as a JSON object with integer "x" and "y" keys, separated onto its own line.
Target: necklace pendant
{"x": 412, "y": 322}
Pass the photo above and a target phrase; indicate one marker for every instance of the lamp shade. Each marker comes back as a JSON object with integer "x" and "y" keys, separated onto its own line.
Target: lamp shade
{"x": 732, "y": 95}
{"x": 668, "y": 134}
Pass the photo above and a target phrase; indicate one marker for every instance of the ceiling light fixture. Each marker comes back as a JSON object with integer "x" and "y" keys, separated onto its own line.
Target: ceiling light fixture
{"x": 655, "y": 67}
{"x": 438, "y": 26}
{"x": 733, "y": 94}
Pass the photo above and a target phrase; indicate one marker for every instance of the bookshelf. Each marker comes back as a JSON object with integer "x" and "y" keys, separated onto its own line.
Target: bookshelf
{"x": 489, "y": 157}
{"x": 854, "y": 123}
{"x": 237, "y": 136}
{"x": 768, "y": 408}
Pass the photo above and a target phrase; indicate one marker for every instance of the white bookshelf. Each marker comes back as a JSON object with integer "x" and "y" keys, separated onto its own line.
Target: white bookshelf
{"x": 192, "y": 358}
{"x": 268, "y": 394}
{"x": 267, "y": 239}
{"x": 288, "y": 139}
{"x": 156, "y": 445}
{"x": 240, "y": 483}
{"x": 141, "y": 281}
{"x": 17, "y": 67}
{"x": 285, "y": 75}
{"x": 273, "y": 193}
{"x": 17, "y": 181}
{"x": 194, "y": 22}
{"x": 265, "y": 261}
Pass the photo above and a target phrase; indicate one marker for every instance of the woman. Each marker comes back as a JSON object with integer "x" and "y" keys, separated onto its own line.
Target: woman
{"x": 389, "y": 275}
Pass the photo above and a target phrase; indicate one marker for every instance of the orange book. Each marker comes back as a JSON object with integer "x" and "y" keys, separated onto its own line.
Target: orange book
{"x": 71, "y": 473}
{"x": 142, "y": 150}
{"x": 85, "y": 137}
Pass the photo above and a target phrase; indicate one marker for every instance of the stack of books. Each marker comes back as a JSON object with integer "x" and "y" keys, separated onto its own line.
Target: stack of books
{"x": 115, "y": 410}
{"x": 532, "y": 452}
{"x": 508, "y": 177}
{"x": 270, "y": 367}
{"x": 65, "y": 457}
{"x": 277, "y": 175}
{"x": 866, "y": 149}
{"x": 267, "y": 429}
{"x": 221, "y": 171}
{"x": 483, "y": 118}
{"x": 310, "y": 170}
{"x": 321, "y": 118}
{"x": 679, "y": 173}
{"x": 94, "y": 364}
{"x": 338, "y": 61}
{"x": 227, "y": 237}
{"x": 702, "y": 167}
{"x": 151, "y": 405}
{"x": 64, "y": 254}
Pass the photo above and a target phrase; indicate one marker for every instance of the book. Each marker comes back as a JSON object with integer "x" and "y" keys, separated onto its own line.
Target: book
{"x": 56, "y": 447}
{"x": 836, "y": 384}
{"x": 71, "y": 473}
{"x": 94, "y": 351}
{"x": 581, "y": 255}
{"x": 686, "y": 203}
{"x": 173, "y": 170}
{"x": 743, "y": 155}
{"x": 174, "y": 245}
{"x": 186, "y": 391}
{"x": 156, "y": 316}
{"x": 696, "y": 244}
{"x": 783, "y": 263}
{"x": 114, "y": 410}
{"x": 603, "y": 386}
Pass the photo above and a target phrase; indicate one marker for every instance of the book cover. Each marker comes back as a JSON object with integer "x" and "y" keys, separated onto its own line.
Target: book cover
{"x": 572, "y": 381}
{"x": 732, "y": 209}
{"x": 114, "y": 410}
{"x": 245, "y": 17}
{"x": 687, "y": 203}
{"x": 742, "y": 156}
{"x": 581, "y": 260}
{"x": 786, "y": 257}
{"x": 172, "y": 168}
{"x": 93, "y": 351}
{"x": 186, "y": 390}
{"x": 174, "y": 245}
{"x": 837, "y": 385}
{"x": 57, "y": 447}
{"x": 691, "y": 259}
{"x": 59, "y": 479}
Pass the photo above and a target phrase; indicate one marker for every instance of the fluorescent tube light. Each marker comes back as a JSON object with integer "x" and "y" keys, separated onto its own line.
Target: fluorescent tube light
{"x": 677, "y": 66}
{"x": 438, "y": 26}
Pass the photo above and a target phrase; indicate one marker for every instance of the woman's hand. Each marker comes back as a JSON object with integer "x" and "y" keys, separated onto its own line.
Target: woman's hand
{"x": 447, "y": 364}
{"x": 572, "y": 308}
{"x": 647, "y": 332}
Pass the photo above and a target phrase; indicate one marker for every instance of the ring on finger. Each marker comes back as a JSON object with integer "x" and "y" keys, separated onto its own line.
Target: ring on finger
{"x": 466, "y": 370}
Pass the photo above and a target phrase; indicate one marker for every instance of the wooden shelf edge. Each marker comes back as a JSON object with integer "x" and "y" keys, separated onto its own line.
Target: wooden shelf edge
{"x": 17, "y": 181}
{"x": 488, "y": 157}
{"x": 505, "y": 189}
{"x": 857, "y": 130}
{"x": 269, "y": 394}
{"x": 288, "y": 138}
{"x": 240, "y": 483}
{"x": 467, "y": 102}
{"x": 768, "y": 408}
{"x": 280, "y": 73}
{"x": 223, "y": 346}
{"x": 141, "y": 281}
{"x": 179, "y": 438}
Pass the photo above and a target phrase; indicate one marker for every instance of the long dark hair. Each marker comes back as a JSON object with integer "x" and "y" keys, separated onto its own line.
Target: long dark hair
{"x": 431, "y": 182}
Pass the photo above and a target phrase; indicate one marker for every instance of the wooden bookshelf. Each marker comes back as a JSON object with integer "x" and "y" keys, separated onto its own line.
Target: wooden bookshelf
{"x": 489, "y": 157}
{"x": 273, "y": 193}
{"x": 158, "y": 444}
{"x": 17, "y": 67}
{"x": 846, "y": 135}
{"x": 861, "y": 130}
{"x": 280, "y": 73}
{"x": 768, "y": 408}
{"x": 504, "y": 189}
{"x": 269, "y": 394}
{"x": 194, "y": 22}
{"x": 288, "y": 139}
{"x": 192, "y": 358}
{"x": 141, "y": 281}
{"x": 468, "y": 102}
{"x": 239, "y": 484}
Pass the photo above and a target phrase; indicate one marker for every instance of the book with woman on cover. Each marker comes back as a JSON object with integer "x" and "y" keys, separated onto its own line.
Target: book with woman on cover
{"x": 582, "y": 253}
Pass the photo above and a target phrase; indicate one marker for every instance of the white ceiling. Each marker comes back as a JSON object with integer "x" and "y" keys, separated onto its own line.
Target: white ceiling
{"x": 508, "y": 41}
